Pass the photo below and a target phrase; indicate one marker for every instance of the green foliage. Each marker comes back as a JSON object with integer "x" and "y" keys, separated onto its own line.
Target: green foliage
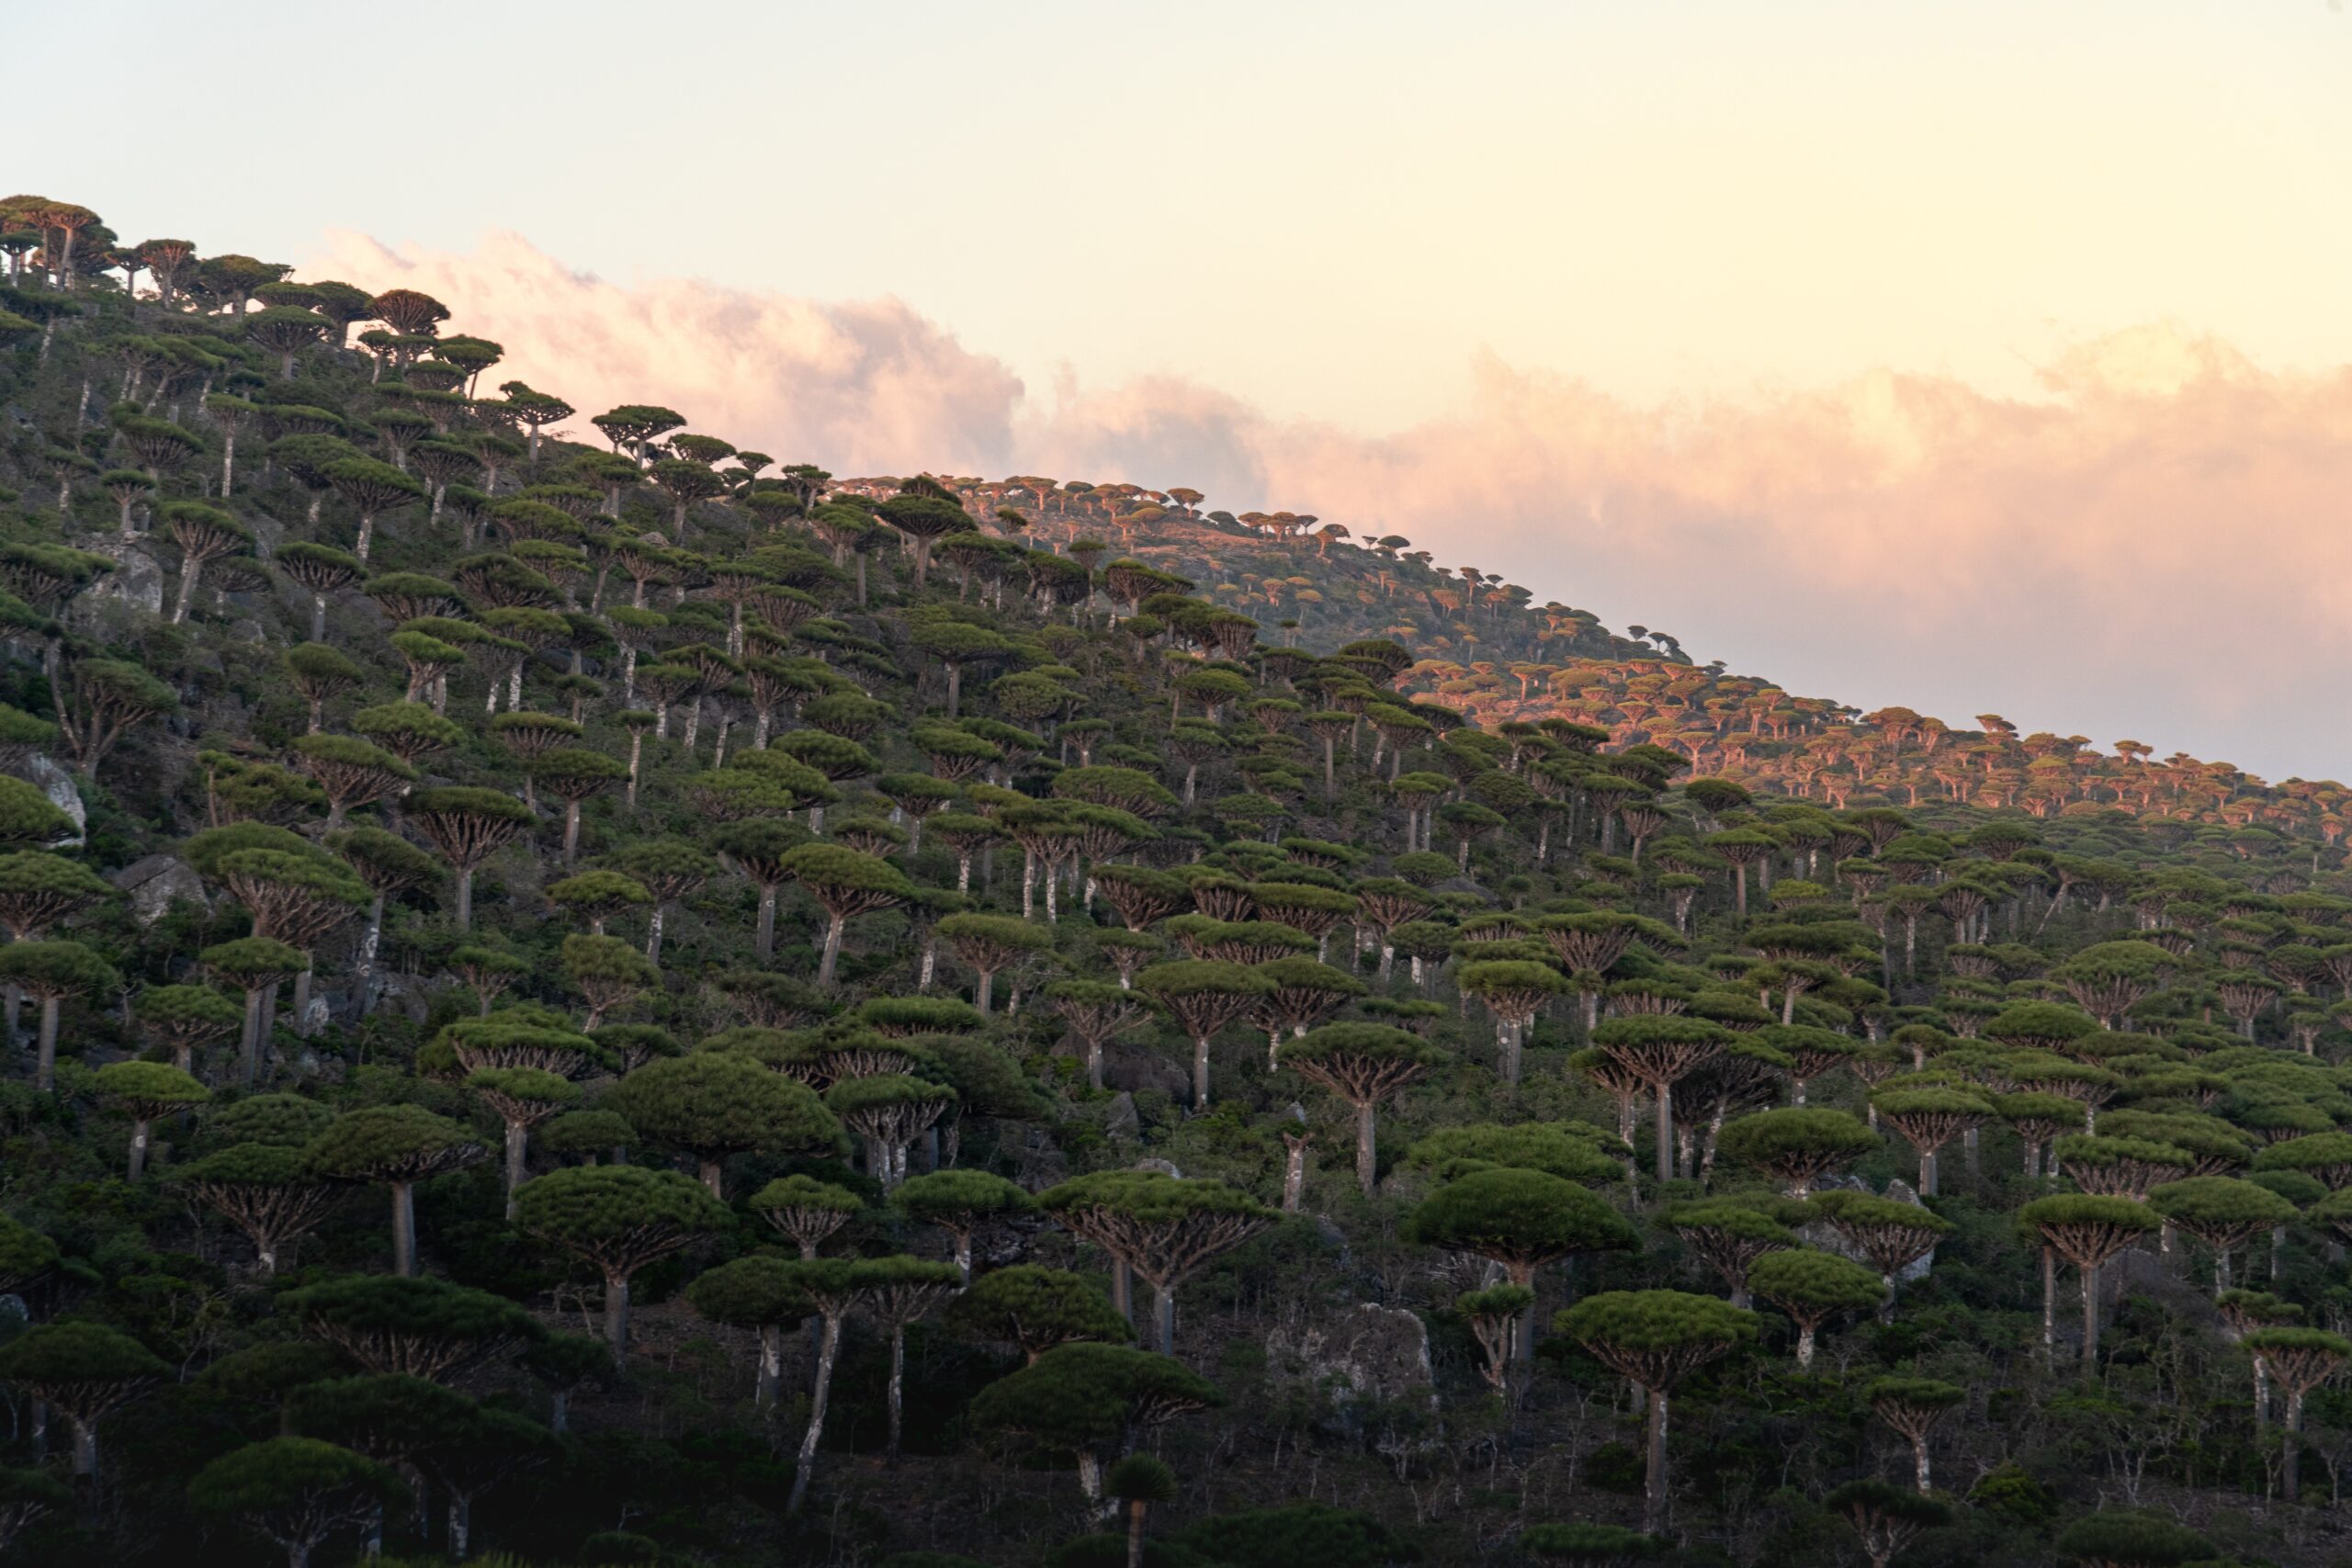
{"x": 2123, "y": 1539}
{"x": 1084, "y": 1394}
{"x": 1572, "y": 1151}
{"x": 616, "y": 1214}
{"x": 1035, "y": 1309}
{"x": 713, "y": 1104}
{"x": 286, "y": 1487}
{"x": 1519, "y": 1218}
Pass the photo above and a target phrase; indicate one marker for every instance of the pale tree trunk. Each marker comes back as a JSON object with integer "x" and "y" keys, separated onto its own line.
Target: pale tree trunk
{"x": 828, "y": 1350}
{"x": 248, "y": 1048}
{"x": 517, "y": 1144}
{"x": 832, "y": 951}
{"x": 403, "y": 1230}
{"x": 2291, "y": 1447}
{"x": 2090, "y": 1318}
{"x": 2049, "y": 1307}
{"x": 616, "y": 1315}
{"x": 45, "y": 1051}
{"x": 1664, "y": 1131}
{"x": 1653, "y": 1486}
{"x": 371, "y": 938}
{"x": 771, "y": 1374}
{"x": 897, "y": 1387}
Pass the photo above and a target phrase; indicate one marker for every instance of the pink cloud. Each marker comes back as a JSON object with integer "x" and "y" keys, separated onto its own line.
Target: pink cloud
{"x": 2153, "y": 549}
{"x": 862, "y": 386}
{"x": 2152, "y": 546}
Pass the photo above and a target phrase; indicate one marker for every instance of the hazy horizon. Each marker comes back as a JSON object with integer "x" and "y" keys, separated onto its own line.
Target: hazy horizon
{"x": 1878, "y": 354}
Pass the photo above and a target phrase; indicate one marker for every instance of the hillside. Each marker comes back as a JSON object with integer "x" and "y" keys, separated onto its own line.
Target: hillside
{"x": 611, "y": 998}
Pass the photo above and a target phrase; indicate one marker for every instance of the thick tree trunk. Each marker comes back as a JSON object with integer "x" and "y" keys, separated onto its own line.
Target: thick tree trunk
{"x": 2290, "y": 1451}
{"x": 1653, "y": 1486}
{"x": 403, "y": 1230}
{"x": 45, "y": 1053}
{"x": 828, "y": 1350}
{"x": 1666, "y": 1132}
{"x": 517, "y": 1147}
{"x": 2049, "y": 1307}
{"x": 832, "y": 951}
{"x": 2090, "y": 1319}
{"x": 898, "y": 1389}
{"x": 616, "y": 1315}
{"x": 771, "y": 1374}
{"x": 191, "y": 570}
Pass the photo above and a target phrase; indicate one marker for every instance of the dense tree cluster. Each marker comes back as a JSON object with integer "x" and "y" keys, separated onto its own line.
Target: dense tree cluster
{"x": 575, "y": 990}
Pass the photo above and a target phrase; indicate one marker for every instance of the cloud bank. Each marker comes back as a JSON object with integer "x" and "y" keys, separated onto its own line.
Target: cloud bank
{"x": 2154, "y": 547}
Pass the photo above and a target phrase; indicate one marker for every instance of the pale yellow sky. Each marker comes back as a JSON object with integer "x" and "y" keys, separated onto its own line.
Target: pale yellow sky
{"x": 1728, "y": 317}
{"x": 1327, "y": 210}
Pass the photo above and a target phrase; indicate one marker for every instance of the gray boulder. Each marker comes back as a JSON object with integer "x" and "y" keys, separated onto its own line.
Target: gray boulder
{"x": 138, "y": 580}
{"x": 64, "y": 794}
{"x": 153, "y": 883}
{"x": 1122, "y": 1122}
{"x": 1357, "y": 1360}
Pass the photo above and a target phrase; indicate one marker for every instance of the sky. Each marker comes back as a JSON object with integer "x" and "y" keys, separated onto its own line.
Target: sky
{"x": 1980, "y": 357}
